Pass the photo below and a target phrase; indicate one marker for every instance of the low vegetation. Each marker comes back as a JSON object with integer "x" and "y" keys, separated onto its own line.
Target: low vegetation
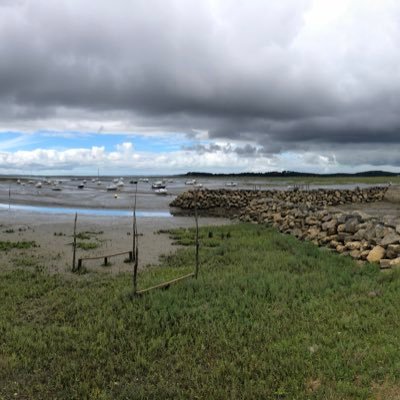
{"x": 87, "y": 245}
{"x": 268, "y": 318}
{"x": 6, "y": 245}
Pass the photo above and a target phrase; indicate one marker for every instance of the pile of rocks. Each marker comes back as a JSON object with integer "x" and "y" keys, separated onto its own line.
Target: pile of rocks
{"x": 356, "y": 234}
{"x": 304, "y": 214}
{"x": 236, "y": 200}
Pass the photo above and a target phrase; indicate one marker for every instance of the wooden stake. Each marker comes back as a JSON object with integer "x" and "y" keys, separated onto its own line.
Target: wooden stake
{"x": 74, "y": 245}
{"x": 196, "y": 273}
{"x": 135, "y": 247}
{"x": 134, "y": 225}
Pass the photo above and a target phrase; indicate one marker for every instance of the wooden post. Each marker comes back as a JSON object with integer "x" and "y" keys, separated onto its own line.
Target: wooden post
{"x": 135, "y": 247}
{"x": 135, "y": 265}
{"x": 134, "y": 225}
{"x": 196, "y": 273}
{"x": 9, "y": 196}
{"x": 105, "y": 261}
{"x": 74, "y": 245}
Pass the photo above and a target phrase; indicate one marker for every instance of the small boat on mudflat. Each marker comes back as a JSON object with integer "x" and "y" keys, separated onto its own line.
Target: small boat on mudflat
{"x": 161, "y": 191}
{"x": 231, "y": 184}
{"x": 158, "y": 185}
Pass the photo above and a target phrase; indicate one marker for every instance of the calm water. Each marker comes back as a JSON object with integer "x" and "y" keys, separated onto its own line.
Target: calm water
{"x": 85, "y": 211}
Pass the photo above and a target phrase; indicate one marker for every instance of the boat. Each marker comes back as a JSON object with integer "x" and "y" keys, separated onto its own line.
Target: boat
{"x": 56, "y": 189}
{"x": 144, "y": 180}
{"x": 112, "y": 188}
{"x": 161, "y": 191}
{"x": 81, "y": 186}
{"x": 133, "y": 182}
{"x": 98, "y": 177}
{"x": 120, "y": 183}
{"x": 191, "y": 182}
{"x": 39, "y": 185}
{"x": 198, "y": 185}
{"x": 231, "y": 184}
{"x": 158, "y": 185}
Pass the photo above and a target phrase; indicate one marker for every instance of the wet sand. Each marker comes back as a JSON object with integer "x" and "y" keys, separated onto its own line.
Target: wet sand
{"x": 54, "y": 234}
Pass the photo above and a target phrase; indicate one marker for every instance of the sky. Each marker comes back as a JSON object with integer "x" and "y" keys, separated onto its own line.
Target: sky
{"x": 140, "y": 87}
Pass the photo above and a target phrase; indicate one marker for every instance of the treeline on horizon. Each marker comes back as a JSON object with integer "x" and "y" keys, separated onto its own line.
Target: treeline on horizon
{"x": 293, "y": 174}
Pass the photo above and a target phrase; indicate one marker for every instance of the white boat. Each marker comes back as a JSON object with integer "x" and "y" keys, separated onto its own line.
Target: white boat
{"x": 18, "y": 181}
{"x": 158, "y": 185}
{"x": 39, "y": 185}
{"x": 120, "y": 184}
{"x": 231, "y": 184}
{"x": 145, "y": 180}
{"x": 198, "y": 185}
{"x": 161, "y": 191}
{"x": 191, "y": 182}
{"x": 112, "y": 188}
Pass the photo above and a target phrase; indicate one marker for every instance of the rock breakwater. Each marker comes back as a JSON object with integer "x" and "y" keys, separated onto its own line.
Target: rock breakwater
{"x": 310, "y": 215}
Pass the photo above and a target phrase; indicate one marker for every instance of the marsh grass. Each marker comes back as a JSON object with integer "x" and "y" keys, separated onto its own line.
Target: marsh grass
{"x": 6, "y": 245}
{"x": 268, "y": 318}
{"x": 87, "y": 245}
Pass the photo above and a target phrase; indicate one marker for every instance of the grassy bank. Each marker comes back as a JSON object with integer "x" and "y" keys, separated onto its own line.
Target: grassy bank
{"x": 269, "y": 317}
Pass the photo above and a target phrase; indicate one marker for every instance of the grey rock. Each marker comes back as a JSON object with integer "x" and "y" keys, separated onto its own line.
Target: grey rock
{"x": 391, "y": 238}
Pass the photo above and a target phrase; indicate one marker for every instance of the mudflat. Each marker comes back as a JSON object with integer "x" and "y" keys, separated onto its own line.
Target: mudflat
{"x": 51, "y": 233}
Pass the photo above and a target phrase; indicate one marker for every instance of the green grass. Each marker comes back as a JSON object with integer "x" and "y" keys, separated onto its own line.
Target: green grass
{"x": 268, "y": 318}
{"x": 87, "y": 245}
{"x": 6, "y": 245}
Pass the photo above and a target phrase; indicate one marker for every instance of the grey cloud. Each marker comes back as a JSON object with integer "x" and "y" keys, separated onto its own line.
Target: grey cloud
{"x": 257, "y": 71}
{"x": 243, "y": 151}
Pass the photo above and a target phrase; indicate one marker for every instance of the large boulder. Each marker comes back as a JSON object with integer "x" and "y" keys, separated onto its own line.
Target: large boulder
{"x": 376, "y": 254}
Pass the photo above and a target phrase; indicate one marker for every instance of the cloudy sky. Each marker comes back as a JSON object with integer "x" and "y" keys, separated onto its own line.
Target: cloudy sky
{"x": 170, "y": 86}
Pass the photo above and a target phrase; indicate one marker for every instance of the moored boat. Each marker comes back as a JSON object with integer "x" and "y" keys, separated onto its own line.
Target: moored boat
{"x": 158, "y": 185}
{"x": 161, "y": 191}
